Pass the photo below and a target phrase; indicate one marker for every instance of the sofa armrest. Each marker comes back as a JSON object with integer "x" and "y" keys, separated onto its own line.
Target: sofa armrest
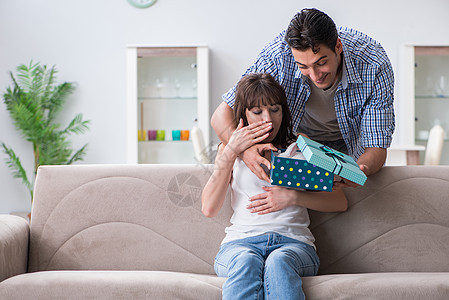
{"x": 14, "y": 238}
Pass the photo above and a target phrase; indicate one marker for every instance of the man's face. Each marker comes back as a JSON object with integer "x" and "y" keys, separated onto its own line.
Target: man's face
{"x": 321, "y": 67}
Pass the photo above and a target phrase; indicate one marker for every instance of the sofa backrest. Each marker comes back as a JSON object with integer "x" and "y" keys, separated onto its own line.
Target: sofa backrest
{"x": 148, "y": 217}
{"x": 398, "y": 221}
{"x": 123, "y": 217}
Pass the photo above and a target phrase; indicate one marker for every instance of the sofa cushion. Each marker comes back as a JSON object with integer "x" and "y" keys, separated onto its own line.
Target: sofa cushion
{"x": 172, "y": 285}
{"x": 111, "y": 285}
{"x": 378, "y": 286}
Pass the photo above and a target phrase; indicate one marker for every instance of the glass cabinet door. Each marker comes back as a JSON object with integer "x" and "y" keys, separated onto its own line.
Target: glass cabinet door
{"x": 432, "y": 94}
{"x": 169, "y": 98}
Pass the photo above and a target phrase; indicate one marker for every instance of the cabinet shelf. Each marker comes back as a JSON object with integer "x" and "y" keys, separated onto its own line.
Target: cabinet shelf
{"x": 165, "y": 141}
{"x": 425, "y": 140}
{"x": 167, "y": 99}
{"x": 428, "y": 97}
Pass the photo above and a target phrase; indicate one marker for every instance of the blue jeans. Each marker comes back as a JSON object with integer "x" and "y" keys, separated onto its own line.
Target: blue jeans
{"x": 268, "y": 266}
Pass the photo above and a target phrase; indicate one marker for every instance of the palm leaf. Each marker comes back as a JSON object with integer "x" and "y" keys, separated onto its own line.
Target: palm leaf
{"x": 13, "y": 163}
{"x": 56, "y": 99}
{"x": 77, "y": 125}
{"x": 79, "y": 155}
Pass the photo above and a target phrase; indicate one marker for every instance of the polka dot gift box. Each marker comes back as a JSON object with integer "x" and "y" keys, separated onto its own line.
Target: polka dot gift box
{"x": 298, "y": 173}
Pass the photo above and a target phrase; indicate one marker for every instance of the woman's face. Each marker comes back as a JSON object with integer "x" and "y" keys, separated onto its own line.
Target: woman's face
{"x": 269, "y": 113}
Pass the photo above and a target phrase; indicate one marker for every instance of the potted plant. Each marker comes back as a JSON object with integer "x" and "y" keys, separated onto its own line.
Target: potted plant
{"x": 33, "y": 102}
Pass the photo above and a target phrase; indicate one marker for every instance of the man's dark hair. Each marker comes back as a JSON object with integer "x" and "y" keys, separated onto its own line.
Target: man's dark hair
{"x": 309, "y": 28}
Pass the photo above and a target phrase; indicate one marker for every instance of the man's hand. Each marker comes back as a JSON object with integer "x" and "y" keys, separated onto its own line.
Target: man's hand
{"x": 275, "y": 199}
{"x": 370, "y": 162}
{"x": 364, "y": 169}
{"x": 344, "y": 183}
{"x": 253, "y": 158}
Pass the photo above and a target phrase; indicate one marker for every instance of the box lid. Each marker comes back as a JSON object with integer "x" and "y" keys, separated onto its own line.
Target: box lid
{"x": 330, "y": 159}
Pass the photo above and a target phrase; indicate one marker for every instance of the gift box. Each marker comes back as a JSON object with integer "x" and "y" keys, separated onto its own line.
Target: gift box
{"x": 331, "y": 160}
{"x": 298, "y": 173}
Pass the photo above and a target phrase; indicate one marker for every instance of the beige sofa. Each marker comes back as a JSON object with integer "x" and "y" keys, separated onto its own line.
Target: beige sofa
{"x": 137, "y": 232}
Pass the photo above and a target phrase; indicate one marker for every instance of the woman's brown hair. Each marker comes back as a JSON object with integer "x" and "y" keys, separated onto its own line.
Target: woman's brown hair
{"x": 257, "y": 89}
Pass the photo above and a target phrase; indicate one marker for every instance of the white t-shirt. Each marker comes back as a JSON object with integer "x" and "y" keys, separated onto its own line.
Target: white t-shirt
{"x": 292, "y": 222}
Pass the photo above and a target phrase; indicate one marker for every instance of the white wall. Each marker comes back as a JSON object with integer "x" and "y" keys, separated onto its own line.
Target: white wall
{"x": 86, "y": 39}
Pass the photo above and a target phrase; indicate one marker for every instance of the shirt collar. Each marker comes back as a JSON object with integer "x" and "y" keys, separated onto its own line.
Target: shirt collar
{"x": 350, "y": 74}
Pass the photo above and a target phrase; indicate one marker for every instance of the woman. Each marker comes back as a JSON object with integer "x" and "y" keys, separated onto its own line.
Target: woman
{"x": 268, "y": 247}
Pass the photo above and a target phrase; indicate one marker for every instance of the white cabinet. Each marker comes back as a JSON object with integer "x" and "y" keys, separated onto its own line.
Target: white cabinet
{"x": 167, "y": 95}
{"x": 424, "y": 94}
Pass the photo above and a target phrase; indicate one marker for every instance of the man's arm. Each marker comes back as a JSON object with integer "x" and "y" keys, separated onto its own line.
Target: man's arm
{"x": 222, "y": 122}
{"x": 378, "y": 119}
{"x": 370, "y": 162}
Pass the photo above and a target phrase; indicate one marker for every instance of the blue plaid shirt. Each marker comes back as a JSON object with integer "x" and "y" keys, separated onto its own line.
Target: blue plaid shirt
{"x": 363, "y": 100}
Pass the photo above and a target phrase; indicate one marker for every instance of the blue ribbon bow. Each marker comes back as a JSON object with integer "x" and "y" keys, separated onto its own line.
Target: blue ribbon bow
{"x": 332, "y": 153}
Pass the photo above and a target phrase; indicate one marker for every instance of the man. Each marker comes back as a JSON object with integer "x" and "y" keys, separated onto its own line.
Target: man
{"x": 339, "y": 85}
